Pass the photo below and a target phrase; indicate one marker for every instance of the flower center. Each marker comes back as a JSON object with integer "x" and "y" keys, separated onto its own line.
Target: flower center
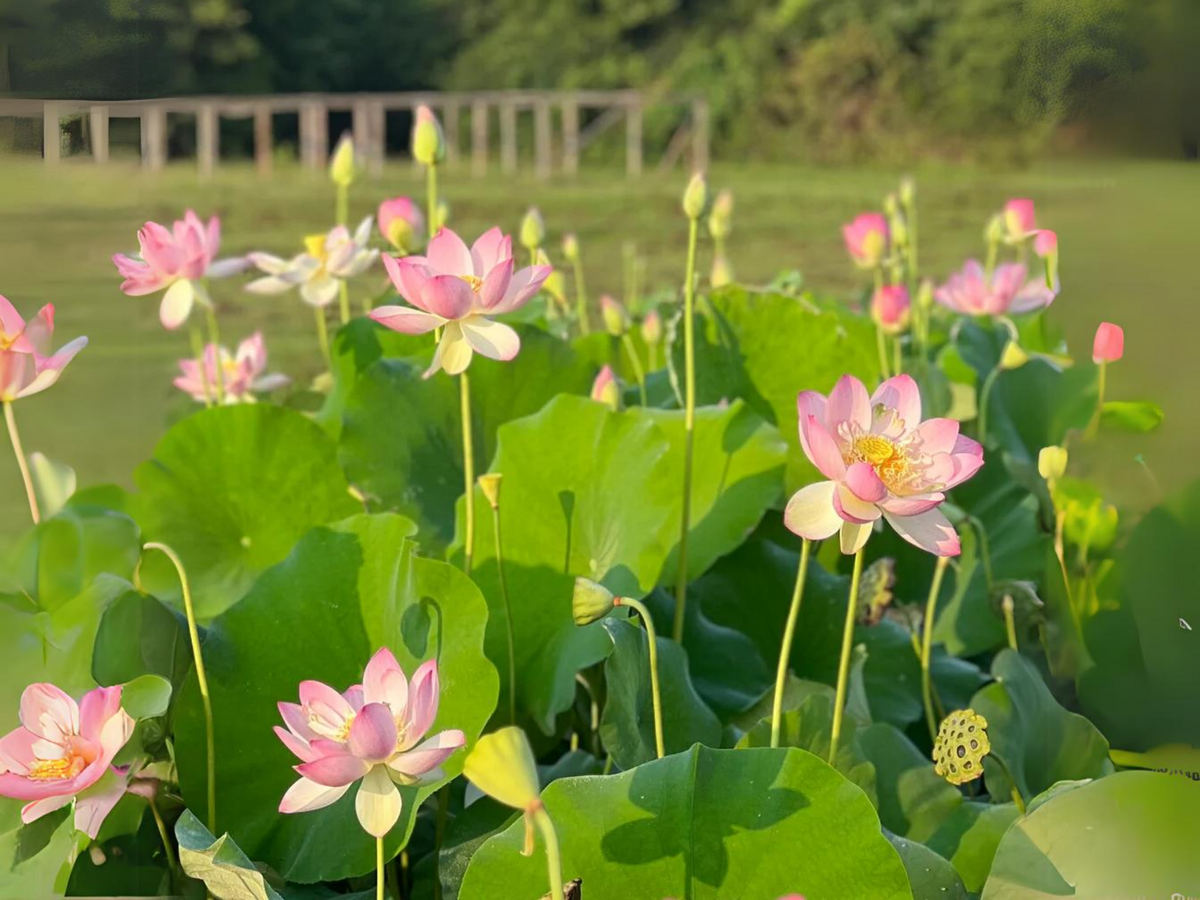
{"x": 7, "y": 341}
{"x": 890, "y": 461}
{"x": 322, "y": 727}
{"x": 474, "y": 281}
{"x": 315, "y": 245}
{"x": 57, "y": 769}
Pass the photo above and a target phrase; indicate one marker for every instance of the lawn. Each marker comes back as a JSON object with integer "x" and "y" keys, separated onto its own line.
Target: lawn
{"x": 1125, "y": 228}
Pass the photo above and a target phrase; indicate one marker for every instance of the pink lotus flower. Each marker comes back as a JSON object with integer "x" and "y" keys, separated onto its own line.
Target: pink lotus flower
{"x": 891, "y": 308}
{"x": 402, "y": 224}
{"x": 881, "y": 461}
{"x": 1109, "y": 344}
{"x": 177, "y": 260}
{"x": 1045, "y": 243}
{"x": 27, "y": 365}
{"x": 971, "y": 293}
{"x": 327, "y": 259}
{"x": 242, "y": 374}
{"x": 372, "y": 732}
{"x": 1020, "y": 221}
{"x": 61, "y": 750}
{"x": 456, "y": 289}
{"x": 867, "y": 239}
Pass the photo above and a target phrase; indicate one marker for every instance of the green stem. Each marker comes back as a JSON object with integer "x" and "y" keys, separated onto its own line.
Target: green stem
{"x": 1013, "y": 792}
{"x": 468, "y": 467}
{"x": 214, "y": 338}
{"x": 322, "y": 333}
{"x": 638, "y": 373}
{"x": 1101, "y": 380}
{"x": 1010, "y": 625}
{"x": 581, "y": 304}
{"x": 839, "y": 701}
{"x": 927, "y": 644}
{"x": 985, "y": 551}
{"x": 168, "y": 849}
{"x": 342, "y": 206}
{"x": 198, "y": 354}
{"x": 344, "y": 300}
{"x": 655, "y": 693}
{"x": 380, "y": 891}
{"x": 22, "y": 462}
{"x": 897, "y": 360}
{"x": 508, "y": 622}
{"x": 789, "y": 632}
{"x": 553, "y": 857}
{"x": 984, "y": 397}
{"x": 993, "y": 250}
{"x": 881, "y": 348}
{"x": 431, "y": 198}
{"x": 439, "y": 837}
{"x": 689, "y": 423}
{"x": 201, "y": 679}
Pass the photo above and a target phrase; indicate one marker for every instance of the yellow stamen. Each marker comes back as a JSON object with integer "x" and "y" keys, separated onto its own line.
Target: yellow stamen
{"x": 474, "y": 281}
{"x": 57, "y": 769}
{"x": 890, "y": 462}
{"x": 315, "y": 245}
{"x": 874, "y": 449}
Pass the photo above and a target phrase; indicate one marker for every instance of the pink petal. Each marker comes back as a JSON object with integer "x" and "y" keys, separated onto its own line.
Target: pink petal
{"x": 299, "y": 746}
{"x": 11, "y": 322}
{"x": 49, "y": 712}
{"x": 494, "y": 340}
{"x": 810, "y": 512}
{"x": 326, "y": 704}
{"x": 489, "y": 250}
{"x": 296, "y": 719}
{"x": 522, "y": 288}
{"x": 848, "y": 402}
{"x": 938, "y": 435}
{"x": 93, "y": 809}
{"x": 448, "y": 296}
{"x": 851, "y": 508}
{"x": 49, "y": 370}
{"x": 965, "y": 465}
{"x": 821, "y": 449}
{"x": 306, "y": 796}
{"x": 911, "y": 506}
{"x": 423, "y": 701}
{"x": 429, "y": 754}
{"x": 334, "y": 771}
{"x": 1109, "y": 343}
{"x": 384, "y": 681}
{"x": 1034, "y": 295}
{"x": 373, "y": 733}
{"x": 31, "y": 812}
{"x": 495, "y": 284}
{"x": 406, "y": 319}
{"x": 810, "y": 403}
{"x": 864, "y": 482}
{"x": 931, "y": 531}
{"x": 448, "y": 255}
{"x": 16, "y": 750}
{"x": 901, "y": 394}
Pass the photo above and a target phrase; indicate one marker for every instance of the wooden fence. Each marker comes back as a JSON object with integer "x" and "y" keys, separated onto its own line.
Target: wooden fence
{"x": 689, "y": 143}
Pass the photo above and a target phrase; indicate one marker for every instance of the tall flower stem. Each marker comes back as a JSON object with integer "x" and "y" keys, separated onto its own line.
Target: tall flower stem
{"x": 839, "y": 701}
{"x": 214, "y": 338}
{"x": 553, "y": 857}
{"x": 1010, "y": 625}
{"x": 343, "y": 300}
{"x": 22, "y": 463}
{"x": 464, "y": 386}
{"x": 638, "y": 372}
{"x": 985, "y": 395}
{"x": 508, "y": 622}
{"x": 342, "y": 204}
{"x": 689, "y": 421}
{"x": 380, "y": 890}
{"x": 201, "y": 678}
{"x": 581, "y": 304}
{"x": 789, "y": 633}
{"x": 1101, "y": 383}
{"x": 935, "y": 588}
{"x": 655, "y": 693}
{"x": 198, "y": 354}
{"x": 431, "y": 199}
{"x": 168, "y": 849}
{"x": 880, "y": 339}
{"x": 322, "y": 333}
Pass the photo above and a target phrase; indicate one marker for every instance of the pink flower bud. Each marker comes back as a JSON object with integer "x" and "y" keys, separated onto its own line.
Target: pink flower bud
{"x": 890, "y": 308}
{"x": 867, "y": 239}
{"x": 1109, "y": 345}
{"x": 1019, "y": 219}
{"x": 1046, "y": 243}
{"x": 605, "y": 389}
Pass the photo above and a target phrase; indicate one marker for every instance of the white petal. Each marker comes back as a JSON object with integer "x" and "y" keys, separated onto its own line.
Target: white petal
{"x": 177, "y": 304}
{"x": 377, "y": 803}
{"x": 319, "y": 291}
{"x": 453, "y": 353}
{"x": 494, "y": 340}
{"x": 853, "y": 537}
{"x": 306, "y": 795}
{"x": 810, "y": 512}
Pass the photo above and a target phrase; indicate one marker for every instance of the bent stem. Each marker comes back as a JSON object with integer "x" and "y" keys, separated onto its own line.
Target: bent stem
{"x": 655, "y": 693}
{"x": 508, "y": 622}
{"x": 214, "y": 338}
{"x": 689, "y": 423}
{"x": 468, "y": 466}
{"x": 638, "y": 373}
{"x": 201, "y": 678}
{"x": 844, "y": 661}
{"x": 927, "y": 644}
{"x": 198, "y": 353}
{"x": 22, "y": 462}
{"x": 789, "y": 632}
{"x": 553, "y": 858}
{"x": 581, "y": 306}
{"x": 1017, "y": 799}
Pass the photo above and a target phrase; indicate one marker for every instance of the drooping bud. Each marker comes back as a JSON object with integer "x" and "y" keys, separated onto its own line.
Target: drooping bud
{"x": 961, "y": 745}
{"x": 1052, "y": 462}
{"x": 533, "y": 229}
{"x": 503, "y": 767}
{"x": 570, "y": 247}
{"x": 652, "y": 331}
{"x": 343, "y": 168}
{"x": 695, "y": 198}
{"x": 591, "y": 602}
{"x": 1109, "y": 343}
{"x": 1013, "y": 357}
{"x": 428, "y": 142}
{"x": 490, "y": 485}
{"x": 616, "y": 319}
{"x": 606, "y": 390}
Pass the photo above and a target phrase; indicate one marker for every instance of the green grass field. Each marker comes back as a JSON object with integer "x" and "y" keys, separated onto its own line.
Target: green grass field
{"x": 1126, "y": 233}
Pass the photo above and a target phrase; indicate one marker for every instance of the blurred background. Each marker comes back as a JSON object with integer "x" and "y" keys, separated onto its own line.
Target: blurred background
{"x": 815, "y": 109}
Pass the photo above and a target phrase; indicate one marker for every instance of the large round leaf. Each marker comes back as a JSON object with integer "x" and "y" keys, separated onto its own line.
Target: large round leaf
{"x": 704, "y": 824}
{"x": 1132, "y": 834}
{"x": 344, "y": 592}
{"x": 232, "y": 489}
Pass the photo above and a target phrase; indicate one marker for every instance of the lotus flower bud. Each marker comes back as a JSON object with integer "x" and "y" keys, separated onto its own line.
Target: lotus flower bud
{"x": 695, "y": 198}
{"x": 1045, "y": 245}
{"x": 891, "y": 308}
{"x": 1109, "y": 344}
{"x": 402, "y": 224}
{"x": 652, "y": 328}
{"x": 606, "y": 390}
{"x": 994, "y": 233}
{"x": 720, "y": 220}
{"x": 428, "y": 142}
{"x": 1013, "y": 357}
{"x": 343, "y": 168}
{"x": 961, "y": 745}
{"x": 1020, "y": 220}
{"x": 1052, "y": 462}
{"x": 555, "y": 284}
{"x": 908, "y": 192}
{"x": 442, "y": 214}
{"x": 533, "y": 229}
{"x": 591, "y": 602}
{"x": 899, "y": 226}
{"x": 867, "y": 239}
{"x": 722, "y": 272}
{"x": 503, "y": 767}
{"x": 925, "y": 295}
{"x": 616, "y": 319}
{"x": 490, "y": 485}
{"x": 891, "y": 206}
{"x": 570, "y": 247}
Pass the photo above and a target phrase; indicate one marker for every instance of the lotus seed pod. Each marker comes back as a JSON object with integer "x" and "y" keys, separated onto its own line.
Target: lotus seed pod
{"x": 533, "y": 229}
{"x": 695, "y": 198}
{"x": 591, "y": 602}
{"x": 961, "y": 745}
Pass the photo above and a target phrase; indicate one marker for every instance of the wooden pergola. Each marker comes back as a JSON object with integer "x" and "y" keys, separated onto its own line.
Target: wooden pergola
{"x": 369, "y": 117}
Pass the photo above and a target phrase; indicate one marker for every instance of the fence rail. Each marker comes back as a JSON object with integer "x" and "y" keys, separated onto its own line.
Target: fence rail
{"x": 369, "y": 125}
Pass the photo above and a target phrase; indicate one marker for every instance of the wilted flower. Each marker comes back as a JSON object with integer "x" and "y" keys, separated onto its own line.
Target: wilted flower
{"x": 61, "y": 750}
{"x": 428, "y": 142}
{"x": 891, "y": 308}
{"x": 176, "y": 259}
{"x": 328, "y": 259}
{"x": 457, "y": 288}
{"x": 372, "y": 732}
{"x": 1020, "y": 222}
{"x": 972, "y": 293}
{"x": 27, "y": 365}
{"x": 867, "y": 239}
{"x": 402, "y": 224}
{"x": 1109, "y": 343}
{"x": 882, "y": 460}
{"x": 243, "y": 374}
{"x": 961, "y": 745}
{"x": 695, "y": 197}
{"x": 614, "y": 315}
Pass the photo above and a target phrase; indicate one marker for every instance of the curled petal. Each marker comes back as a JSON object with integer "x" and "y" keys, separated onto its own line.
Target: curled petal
{"x": 862, "y": 480}
{"x": 373, "y": 733}
{"x": 306, "y": 796}
{"x": 912, "y": 506}
{"x": 522, "y": 288}
{"x": 448, "y": 255}
{"x": 427, "y": 755}
{"x": 384, "y": 681}
{"x": 494, "y": 340}
{"x": 938, "y": 435}
{"x": 931, "y": 531}
{"x": 810, "y": 512}
{"x": 423, "y": 701}
{"x": 336, "y": 770}
{"x": 852, "y": 509}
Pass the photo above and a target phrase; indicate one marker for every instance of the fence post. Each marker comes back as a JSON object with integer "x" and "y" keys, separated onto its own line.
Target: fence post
{"x": 543, "y": 142}
{"x": 262, "y": 138}
{"x": 98, "y": 121}
{"x": 508, "y": 137}
{"x": 700, "y": 134}
{"x": 570, "y": 135}
{"x": 314, "y": 134}
{"x": 633, "y": 138}
{"x": 208, "y": 139}
{"x": 51, "y": 134}
{"x": 154, "y": 137}
{"x": 479, "y": 138}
